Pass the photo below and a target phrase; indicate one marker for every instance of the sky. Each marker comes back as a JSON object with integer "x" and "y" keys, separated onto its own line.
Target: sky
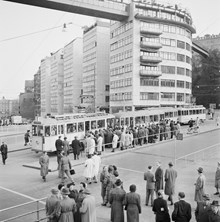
{"x": 20, "y": 56}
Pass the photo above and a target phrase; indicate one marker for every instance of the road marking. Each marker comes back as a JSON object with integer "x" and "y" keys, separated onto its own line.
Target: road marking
{"x": 23, "y": 195}
{"x": 135, "y": 171}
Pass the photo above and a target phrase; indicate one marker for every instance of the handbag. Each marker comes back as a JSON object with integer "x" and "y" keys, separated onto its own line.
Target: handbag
{"x": 72, "y": 171}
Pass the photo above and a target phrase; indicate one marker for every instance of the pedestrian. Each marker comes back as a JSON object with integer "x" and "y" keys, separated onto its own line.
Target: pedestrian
{"x": 4, "y": 152}
{"x": 89, "y": 169}
{"x": 76, "y": 146}
{"x": 65, "y": 166}
{"x": 116, "y": 199}
{"x": 44, "y": 165}
{"x": 59, "y": 148}
{"x": 66, "y": 207}
{"x": 90, "y": 145}
{"x": 160, "y": 208}
{"x": 27, "y": 138}
{"x": 217, "y": 179}
{"x": 66, "y": 146}
{"x": 132, "y": 204}
{"x": 114, "y": 141}
{"x": 170, "y": 180}
{"x": 215, "y": 215}
{"x": 97, "y": 162}
{"x": 182, "y": 209}
{"x": 150, "y": 186}
{"x": 203, "y": 209}
{"x": 51, "y": 206}
{"x": 60, "y": 187}
{"x": 103, "y": 177}
{"x": 88, "y": 208}
{"x": 200, "y": 186}
{"x": 99, "y": 144}
{"x": 158, "y": 178}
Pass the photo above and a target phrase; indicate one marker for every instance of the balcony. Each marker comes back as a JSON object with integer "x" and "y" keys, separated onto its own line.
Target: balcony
{"x": 150, "y": 59}
{"x": 152, "y": 31}
{"x": 154, "y": 45}
{"x": 153, "y": 73}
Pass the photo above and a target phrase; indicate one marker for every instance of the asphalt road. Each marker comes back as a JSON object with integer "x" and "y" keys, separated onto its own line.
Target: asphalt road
{"x": 19, "y": 184}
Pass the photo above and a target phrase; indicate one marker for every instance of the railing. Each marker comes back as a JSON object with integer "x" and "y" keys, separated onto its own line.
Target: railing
{"x": 38, "y": 216}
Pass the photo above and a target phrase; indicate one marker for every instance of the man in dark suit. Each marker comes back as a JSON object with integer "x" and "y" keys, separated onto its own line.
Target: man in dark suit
{"x": 215, "y": 215}
{"x": 76, "y": 146}
{"x": 59, "y": 147}
{"x": 4, "y": 152}
{"x": 158, "y": 178}
{"x": 150, "y": 186}
{"x": 160, "y": 208}
{"x": 182, "y": 210}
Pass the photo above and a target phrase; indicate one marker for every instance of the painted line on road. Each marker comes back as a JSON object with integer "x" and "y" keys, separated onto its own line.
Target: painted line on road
{"x": 135, "y": 171}
{"x": 23, "y": 195}
{"x": 198, "y": 151}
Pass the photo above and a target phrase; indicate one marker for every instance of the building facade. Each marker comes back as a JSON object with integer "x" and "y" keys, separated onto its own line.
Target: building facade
{"x": 37, "y": 93}
{"x": 72, "y": 80}
{"x": 150, "y": 58}
{"x": 56, "y": 83}
{"x": 95, "y": 82}
{"x": 45, "y": 86}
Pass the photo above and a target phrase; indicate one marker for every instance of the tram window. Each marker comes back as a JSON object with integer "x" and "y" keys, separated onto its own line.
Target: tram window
{"x": 197, "y": 111}
{"x": 122, "y": 122}
{"x": 156, "y": 119}
{"x": 179, "y": 113}
{"x": 60, "y": 129}
{"x": 93, "y": 124}
{"x": 47, "y": 130}
{"x": 166, "y": 115}
{"x": 80, "y": 127}
{"x": 143, "y": 119}
{"x": 190, "y": 112}
{"x": 116, "y": 122}
{"x": 53, "y": 130}
{"x": 71, "y": 128}
{"x": 40, "y": 130}
{"x": 87, "y": 125}
{"x": 161, "y": 116}
{"x": 137, "y": 121}
{"x": 171, "y": 114}
{"x": 34, "y": 130}
{"x": 147, "y": 119}
{"x": 127, "y": 121}
{"x": 151, "y": 118}
{"x": 101, "y": 123}
{"x": 131, "y": 121}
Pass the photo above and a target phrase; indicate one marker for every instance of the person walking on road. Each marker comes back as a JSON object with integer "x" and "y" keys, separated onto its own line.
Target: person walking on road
{"x": 217, "y": 179}
{"x": 182, "y": 210}
{"x": 200, "y": 186}
{"x": 51, "y": 206}
{"x": 133, "y": 205}
{"x": 116, "y": 199}
{"x": 44, "y": 165}
{"x": 160, "y": 208}
{"x": 88, "y": 208}
{"x": 27, "y": 138}
{"x": 150, "y": 186}
{"x": 76, "y": 146}
{"x": 4, "y": 152}
{"x": 203, "y": 209}
{"x": 158, "y": 177}
{"x": 170, "y": 180}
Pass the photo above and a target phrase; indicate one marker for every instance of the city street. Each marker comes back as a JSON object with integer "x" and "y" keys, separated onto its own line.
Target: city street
{"x": 20, "y": 184}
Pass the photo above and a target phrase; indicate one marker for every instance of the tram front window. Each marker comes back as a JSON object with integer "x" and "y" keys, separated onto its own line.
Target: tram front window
{"x": 87, "y": 125}
{"x": 53, "y": 130}
{"x": 47, "y": 130}
{"x": 34, "y": 130}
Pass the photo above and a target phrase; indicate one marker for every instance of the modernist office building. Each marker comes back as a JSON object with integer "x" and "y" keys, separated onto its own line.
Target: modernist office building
{"x": 150, "y": 58}
{"x": 96, "y": 66}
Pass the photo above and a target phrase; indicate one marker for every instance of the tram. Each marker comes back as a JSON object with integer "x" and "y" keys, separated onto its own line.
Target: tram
{"x": 45, "y": 131}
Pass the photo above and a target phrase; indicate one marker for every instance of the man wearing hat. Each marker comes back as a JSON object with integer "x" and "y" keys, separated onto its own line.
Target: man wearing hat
{"x": 215, "y": 215}
{"x": 217, "y": 179}
{"x": 76, "y": 146}
{"x": 116, "y": 199}
{"x": 150, "y": 186}
{"x": 66, "y": 207}
{"x": 4, "y": 152}
{"x": 199, "y": 186}
{"x": 182, "y": 209}
{"x": 88, "y": 208}
{"x": 203, "y": 209}
{"x": 51, "y": 205}
{"x": 170, "y": 180}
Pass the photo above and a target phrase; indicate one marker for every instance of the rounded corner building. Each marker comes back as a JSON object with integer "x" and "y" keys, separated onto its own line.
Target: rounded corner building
{"x": 150, "y": 57}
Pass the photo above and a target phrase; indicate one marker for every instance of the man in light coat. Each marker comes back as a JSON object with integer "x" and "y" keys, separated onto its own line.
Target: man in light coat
{"x": 170, "y": 180}
{"x": 150, "y": 186}
{"x": 199, "y": 186}
{"x": 44, "y": 165}
{"x": 88, "y": 208}
{"x": 114, "y": 141}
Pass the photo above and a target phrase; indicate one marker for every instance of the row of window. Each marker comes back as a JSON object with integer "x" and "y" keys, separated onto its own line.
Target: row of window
{"x": 121, "y": 96}
{"x": 166, "y": 28}
{"x": 89, "y": 57}
{"x": 89, "y": 46}
{"x": 122, "y": 42}
{"x": 148, "y": 81}
{"x": 89, "y": 89}
{"x": 89, "y": 78}
{"x": 121, "y": 69}
{"x": 121, "y": 56}
{"x": 178, "y": 70}
{"x": 89, "y": 67}
{"x": 121, "y": 83}
{"x": 150, "y": 68}
{"x": 121, "y": 29}
{"x": 165, "y": 96}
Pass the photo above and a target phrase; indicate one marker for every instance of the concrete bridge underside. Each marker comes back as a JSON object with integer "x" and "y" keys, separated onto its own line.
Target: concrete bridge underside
{"x": 95, "y": 8}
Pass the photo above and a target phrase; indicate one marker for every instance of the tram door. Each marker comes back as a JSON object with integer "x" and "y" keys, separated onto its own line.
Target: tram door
{"x": 87, "y": 125}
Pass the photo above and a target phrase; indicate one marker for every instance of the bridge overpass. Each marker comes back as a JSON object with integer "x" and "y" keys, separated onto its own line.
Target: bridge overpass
{"x": 96, "y": 8}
